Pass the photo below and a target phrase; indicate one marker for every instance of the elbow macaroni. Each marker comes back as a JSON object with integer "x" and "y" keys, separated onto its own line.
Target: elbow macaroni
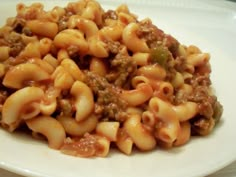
{"x": 17, "y": 102}
{"x": 85, "y": 78}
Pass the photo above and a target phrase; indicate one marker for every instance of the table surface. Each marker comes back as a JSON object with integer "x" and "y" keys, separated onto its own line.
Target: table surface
{"x": 229, "y": 171}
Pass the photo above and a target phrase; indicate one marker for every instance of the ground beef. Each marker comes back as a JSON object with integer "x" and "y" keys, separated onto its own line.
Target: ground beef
{"x": 209, "y": 108}
{"x": 180, "y": 97}
{"x": 150, "y": 33}
{"x": 18, "y": 25}
{"x": 172, "y": 44}
{"x": 155, "y": 37}
{"x": 16, "y": 49}
{"x": 109, "y": 105}
{"x": 86, "y": 146}
{"x": 122, "y": 67}
{"x": 83, "y": 62}
{"x": 65, "y": 107}
{"x": 206, "y": 103}
{"x": 200, "y": 95}
{"x": 15, "y": 42}
{"x": 180, "y": 64}
{"x": 200, "y": 80}
{"x": 164, "y": 51}
{"x": 201, "y": 125}
{"x": 218, "y": 111}
{"x": 113, "y": 46}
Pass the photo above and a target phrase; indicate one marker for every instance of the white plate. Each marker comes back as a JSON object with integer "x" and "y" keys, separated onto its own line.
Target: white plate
{"x": 211, "y": 25}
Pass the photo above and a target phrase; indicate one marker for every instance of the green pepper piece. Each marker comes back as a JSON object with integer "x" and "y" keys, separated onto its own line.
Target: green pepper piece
{"x": 160, "y": 55}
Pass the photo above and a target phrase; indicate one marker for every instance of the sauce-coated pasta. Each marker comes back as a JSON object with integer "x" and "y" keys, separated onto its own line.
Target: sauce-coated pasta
{"x": 87, "y": 78}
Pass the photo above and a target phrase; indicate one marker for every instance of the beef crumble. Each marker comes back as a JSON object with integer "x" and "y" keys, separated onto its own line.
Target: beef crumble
{"x": 122, "y": 67}
{"x": 209, "y": 108}
{"x": 155, "y": 37}
{"x": 108, "y": 104}
{"x": 15, "y": 42}
{"x": 152, "y": 35}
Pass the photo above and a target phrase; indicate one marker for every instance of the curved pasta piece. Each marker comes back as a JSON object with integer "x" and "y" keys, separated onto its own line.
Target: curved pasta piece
{"x": 98, "y": 66}
{"x": 15, "y": 103}
{"x": 138, "y": 96}
{"x": 136, "y": 80}
{"x": 50, "y": 128}
{"x": 112, "y": 32}
{"x": 5, "y": 53}
{"x": 51, "y": 94}
{"x": 186, "y": 110}
{"x": 84, "y": 103}
{"x": 2, "y": 70}
{"x": 155, "y": 72}
{"x": 72, "y": 21}
{"x": 31, "y": 50}
{"x": 104, "y": 146}
{"x": 148, "y": 118}
{"x": 97, "y": 47}
{"x": 62, "y": 54}
{"x": 76, "y": 7}
{"x": 162, "y": 89}
{"x": 141, "y": 137}
{"x": 71, "y": 38}
{"x": 45, "y": 45}
{"x": 108, "y": 129}
{"x": 182, "y": 51}
{"x": 42, "y": 64}
{"x": 132, "y": 41}
{"x": 48, "y": 108}
{"x": 75, "y": 128}
{"x": 51, "y": 60}
{"x": 178, "y": 80}
{"x": 58, "y": 11}
{"x": 126, "y": 18}
{"x": 62, "y": 79}
{"x": 163, "y": 111}
{"x": 184, "y": 135}
{"x": 18, "y": 76}
{"x": 43, "y": 28}
{"x": 198, "y": 59}
{"x": 192, "y": 49}
{"x": 49, "y": 102}
{"x": 122, "y": 8}
{"x": 124, "y": 142}
{"x": 141, "y": 59}
{"x": 30, "y": 111}
{"x": 72, "y": 68}
{"x": 93, "y": 11}
{"x": 87, "y": 26}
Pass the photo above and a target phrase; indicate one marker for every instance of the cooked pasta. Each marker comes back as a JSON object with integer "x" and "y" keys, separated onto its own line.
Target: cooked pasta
{"x": 90, "y": 79}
